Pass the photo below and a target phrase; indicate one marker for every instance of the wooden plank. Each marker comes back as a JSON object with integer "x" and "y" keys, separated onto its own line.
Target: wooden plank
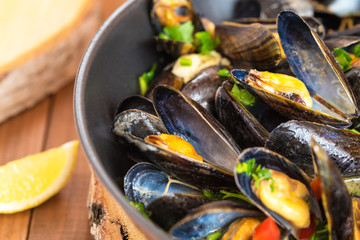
{"x": 65, "y": 215}
{"x": 19, "y": 137}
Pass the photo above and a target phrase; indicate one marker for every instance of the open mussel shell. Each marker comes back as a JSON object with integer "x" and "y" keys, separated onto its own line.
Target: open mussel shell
{"x": 184, "y": 117}
{"x": 249, "y": 126}
{"x": 202, "y": 88}
{"x": 293, "y": 140}
{"x": 316, "y": 67}
{"x": 252, "y": 46}
{"x": 144, "y": 182}
{"x": 132, "y": 126}
{"x": 210, "y": 218}
{"x": 166, "y": 210}
{"x": 335, "y": 197}
{"x": 272, "y": 160}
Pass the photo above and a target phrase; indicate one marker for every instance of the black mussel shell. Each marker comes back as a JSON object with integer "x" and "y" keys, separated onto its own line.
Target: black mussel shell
{"x": 166, "y": 210}
{"x": 317, "y": 68}
{"x": 184, "y": 117}
{"x": 145, "y": 182}
{"x": 136, "y": 102}
{"x": 202, "y": 88}
{"x": 334, "y": 195}
{"x": 293, "y": 140}
{"x": 210, "y": 218}
{"x": 252, "y": 46}
{"x": 272, "y": 160}
{"x": 249, "y": 126}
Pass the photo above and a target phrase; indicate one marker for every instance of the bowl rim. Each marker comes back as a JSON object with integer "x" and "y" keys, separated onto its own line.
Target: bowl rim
{"x": 148, "y": 228}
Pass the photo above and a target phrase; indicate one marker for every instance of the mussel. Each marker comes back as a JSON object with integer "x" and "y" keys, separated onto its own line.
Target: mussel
{"x": 333, "y": 102}
{"x": 288, "y": 198}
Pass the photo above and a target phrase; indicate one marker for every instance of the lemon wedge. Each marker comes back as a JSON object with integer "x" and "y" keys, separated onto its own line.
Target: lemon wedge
{"x": 30, "y": 181}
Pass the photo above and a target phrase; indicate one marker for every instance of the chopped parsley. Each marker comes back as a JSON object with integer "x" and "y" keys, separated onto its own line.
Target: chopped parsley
{"x": 257, "y": 172}
{"x": 243, "y": 96}
{"x": 352, "y": 130}
{"x": 223, "y": 194}
{"x": 214, "y": 236}
{"x": 185, "y": 61}
{"x": 182, "y": 33}
{"x": 321, "y": 232}
{"x": 224, "y": 72}
{"x": 204, "y": 42}
{"x": 146, "y": 79}
{"x": 345, "y": 59}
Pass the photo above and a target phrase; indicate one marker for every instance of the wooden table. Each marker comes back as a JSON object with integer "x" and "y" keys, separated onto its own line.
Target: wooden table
{"x": 49, "y": 124}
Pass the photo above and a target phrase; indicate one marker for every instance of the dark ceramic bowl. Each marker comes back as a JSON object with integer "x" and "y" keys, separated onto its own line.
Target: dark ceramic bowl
{"x": 122, "y": 50}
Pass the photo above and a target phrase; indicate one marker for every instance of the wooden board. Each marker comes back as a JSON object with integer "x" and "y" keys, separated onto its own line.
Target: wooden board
{"x": 44, "y": 43}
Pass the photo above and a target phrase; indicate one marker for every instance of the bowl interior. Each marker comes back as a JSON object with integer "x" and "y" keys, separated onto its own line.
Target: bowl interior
{"x": 122, "y": 50}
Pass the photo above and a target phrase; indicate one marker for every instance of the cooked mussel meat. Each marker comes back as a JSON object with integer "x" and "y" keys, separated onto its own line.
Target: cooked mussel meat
{"x": 277, "y": 187}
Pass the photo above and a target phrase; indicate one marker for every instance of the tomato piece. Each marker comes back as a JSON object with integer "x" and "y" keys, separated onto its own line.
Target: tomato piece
{"x": 267, "y": 230}
{"x": 306, "y": 233}
{"x": 316, "y": 187}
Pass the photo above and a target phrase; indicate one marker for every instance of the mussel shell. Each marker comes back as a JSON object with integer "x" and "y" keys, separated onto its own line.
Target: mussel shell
{"x": 137, "y": 123}
{"x": 144, "y": 182}
{"x": 316, "y": 67}
{"x": 293, "y": 140}
{"x": 210, "y": 218}
{"x": 166, "y": 77}
{"x": 272, "y": 160}
{"x": 288, "y": 108}
{"x": 335, "y": 197}
{"x": 252, "y": 45}
{"x": 136, "y": 102}
{"x": 184, "y": 117}
{"x": 173, "y": 47}
{"x": 249, "y": 126}
{"x": 202, "y": 88}
{"x": 166, "y": 210}
{"x": 353, "y": 76}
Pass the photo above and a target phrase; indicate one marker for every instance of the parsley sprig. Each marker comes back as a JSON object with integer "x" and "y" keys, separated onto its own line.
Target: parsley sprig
{"x": 223, "y": 194}
{"x": 184, "y": 33}
{"x": 257, "y": 172}
{"x": 321, "y": 232}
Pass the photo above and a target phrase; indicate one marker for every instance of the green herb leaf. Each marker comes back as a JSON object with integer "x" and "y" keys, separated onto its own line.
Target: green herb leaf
{"x": 343, "y": 58}
{"x": 140, "y": 208}
{"x": 212, "y": 195}
{"x": 237, "y": 195}
{"x": 204, "y": 43}
{"x": 214, "y": 236}
{"x": 352, "y": 130}
{"x": 243, "y": 96}
{"x": 321, "y": 232}
{"x": 146, "y": 78}
{"x": 182, "y": 33}
{"x": 256, "y": 172}
{"x": 224, "y": 72}
{"x": 356, "y": 50}
{"x": 185, "y": 61}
